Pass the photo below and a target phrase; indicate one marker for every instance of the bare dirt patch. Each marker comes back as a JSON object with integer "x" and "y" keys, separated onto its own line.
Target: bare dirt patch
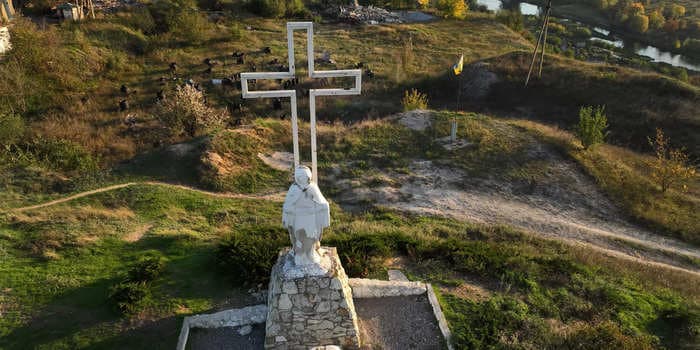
{"x": 405, "y": 322}
{"x": 282, "y": 161}
{"x": 136, "y": 234}
{"x": 564, "y": 204}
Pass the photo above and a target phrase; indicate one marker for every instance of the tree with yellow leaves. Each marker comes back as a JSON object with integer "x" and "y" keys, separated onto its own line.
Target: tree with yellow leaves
{"x": 670, "y": 167}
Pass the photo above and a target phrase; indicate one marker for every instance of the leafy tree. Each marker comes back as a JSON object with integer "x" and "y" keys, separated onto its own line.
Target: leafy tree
{"x": 670, "y": 166}
{"x": 453, "y": 8}
{"x": 636, "y": 8}
{"x": 591, "y": 126}
{"x": 674, "y": 11}
{"x": 638, "y": 23}
{"x": 656, "y": 20}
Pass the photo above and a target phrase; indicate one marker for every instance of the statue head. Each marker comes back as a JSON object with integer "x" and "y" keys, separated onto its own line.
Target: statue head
{"x": 302, "y": 176}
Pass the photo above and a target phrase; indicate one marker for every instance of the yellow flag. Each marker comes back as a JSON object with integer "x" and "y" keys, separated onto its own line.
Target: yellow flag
{"x": 458, "y": 66}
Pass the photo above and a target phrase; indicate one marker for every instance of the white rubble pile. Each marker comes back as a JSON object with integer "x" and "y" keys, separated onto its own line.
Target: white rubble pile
{"x": 363, "y": 14}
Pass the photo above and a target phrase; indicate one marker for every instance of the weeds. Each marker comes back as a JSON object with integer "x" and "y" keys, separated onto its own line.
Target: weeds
{"x": 414, "y": 100}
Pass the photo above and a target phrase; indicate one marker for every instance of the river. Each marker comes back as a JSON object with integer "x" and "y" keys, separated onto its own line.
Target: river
{"x": 606, "y": 36}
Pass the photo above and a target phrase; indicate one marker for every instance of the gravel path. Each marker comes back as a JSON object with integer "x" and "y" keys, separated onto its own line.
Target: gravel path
{"x": 227, "y": 338}
{"x": 398, "y": 323}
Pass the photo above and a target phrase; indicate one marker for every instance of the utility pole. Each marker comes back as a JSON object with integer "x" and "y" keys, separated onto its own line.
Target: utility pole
{"x": 543, "y": 34}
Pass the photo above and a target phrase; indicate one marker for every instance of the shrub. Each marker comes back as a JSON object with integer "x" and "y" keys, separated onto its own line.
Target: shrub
{"x": 656, "y": 20}
{"x": 453, "y": 8}
{"x": 248, "y": 256}
{"x": 11, "y": 128}
{"x": 669, "y": 167}
{"x": 62, "y": 155}
{"x": 582, "y": 32}
{"x": 414, "y": 100}
{"x": 591, "y": 126}
{"x": 129, "y": 297}
{"x": 424, "y": 4}
{"x": 358, "y": 251}
{"x": 511, "y": 19}
{"x": 186, "y": 113}
{"x": 147, "y": 269}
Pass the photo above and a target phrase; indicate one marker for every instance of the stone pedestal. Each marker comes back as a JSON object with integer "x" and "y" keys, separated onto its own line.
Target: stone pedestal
{"x": 310, "y": 306}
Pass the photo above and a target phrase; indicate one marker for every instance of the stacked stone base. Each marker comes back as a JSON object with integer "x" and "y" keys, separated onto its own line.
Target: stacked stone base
{"x": 310, "y": 309}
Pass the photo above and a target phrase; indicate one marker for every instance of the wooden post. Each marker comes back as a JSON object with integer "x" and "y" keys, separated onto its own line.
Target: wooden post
{"x": 539, "y": 40}
{"x": 544, "y": 42}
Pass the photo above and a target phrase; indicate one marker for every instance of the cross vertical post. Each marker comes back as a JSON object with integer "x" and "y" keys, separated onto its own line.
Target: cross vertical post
{"x": 313, "y": 93}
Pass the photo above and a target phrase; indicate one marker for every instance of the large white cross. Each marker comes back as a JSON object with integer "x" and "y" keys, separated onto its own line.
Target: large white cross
{"x": 292, "y": 94}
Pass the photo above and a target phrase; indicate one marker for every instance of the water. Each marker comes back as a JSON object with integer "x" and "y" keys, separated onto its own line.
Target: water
{"x": 606, "y": 36}
{"x": 495, "y": 5}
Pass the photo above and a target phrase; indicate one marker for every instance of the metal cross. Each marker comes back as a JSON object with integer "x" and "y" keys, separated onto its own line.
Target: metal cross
{"x": 292, "y": 94}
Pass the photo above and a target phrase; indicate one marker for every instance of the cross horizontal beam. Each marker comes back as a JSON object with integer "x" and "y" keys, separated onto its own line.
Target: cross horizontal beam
{"x": 313, "y": 93}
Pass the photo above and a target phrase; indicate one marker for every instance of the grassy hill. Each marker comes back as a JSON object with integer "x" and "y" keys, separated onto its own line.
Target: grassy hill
{"x": 59, "y": 264}
{"x": 62, "y": 133}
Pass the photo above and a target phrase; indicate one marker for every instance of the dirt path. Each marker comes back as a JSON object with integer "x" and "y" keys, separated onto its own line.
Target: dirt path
{"x": 565, "y": 204}
{"x": 570, "y": 209}
{"x": 277, "y": 197}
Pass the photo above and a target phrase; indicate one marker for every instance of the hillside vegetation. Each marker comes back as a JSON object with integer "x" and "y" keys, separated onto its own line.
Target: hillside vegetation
{"x": 121, "y": 266}
{"x": 60, "y": 263}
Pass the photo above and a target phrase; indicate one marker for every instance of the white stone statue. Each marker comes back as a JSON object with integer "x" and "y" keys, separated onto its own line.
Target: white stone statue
{"x": 305, "y": 214}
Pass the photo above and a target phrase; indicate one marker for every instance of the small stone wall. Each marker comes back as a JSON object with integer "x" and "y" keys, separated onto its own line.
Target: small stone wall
{"x": 227, "y": 318}
{"x": 310, "y": 310}
{"x": 366, "y": 288}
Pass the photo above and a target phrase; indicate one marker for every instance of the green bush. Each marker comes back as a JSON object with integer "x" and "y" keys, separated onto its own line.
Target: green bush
{"x": 358, "y": 251}
{"x": 582, "y": 32}
{"x": 247, "y": 256}
{"x": 129, "y": 297}
{"x": 147, "y": 269}
{"x": 453, "y": 8}
{"x": 592, "y": 125}
{"x": 511, "y": 19}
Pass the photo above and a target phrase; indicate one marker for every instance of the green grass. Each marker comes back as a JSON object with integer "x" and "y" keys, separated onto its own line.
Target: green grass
{"x": 57, "y": 297}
